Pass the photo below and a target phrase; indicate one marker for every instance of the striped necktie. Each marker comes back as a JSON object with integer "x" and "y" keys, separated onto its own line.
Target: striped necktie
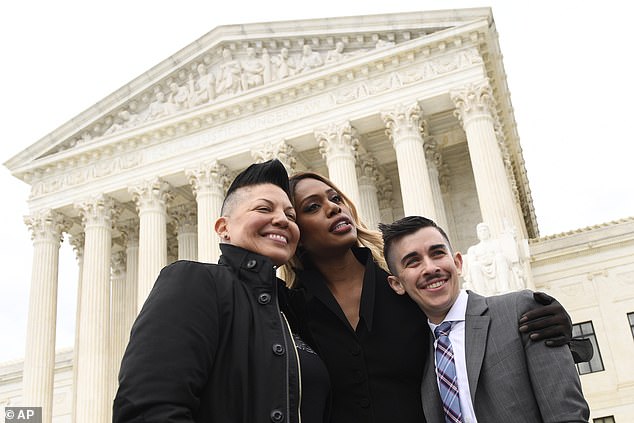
{"x": 446, "y": 373}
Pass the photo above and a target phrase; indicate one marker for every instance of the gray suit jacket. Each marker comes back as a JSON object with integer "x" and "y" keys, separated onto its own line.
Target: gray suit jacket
{"x": 511, "y": 378}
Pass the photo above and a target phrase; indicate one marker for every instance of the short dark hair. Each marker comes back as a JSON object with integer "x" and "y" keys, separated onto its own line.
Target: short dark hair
{"x": 269, "y": 172}
{"x": 408, "y": 225}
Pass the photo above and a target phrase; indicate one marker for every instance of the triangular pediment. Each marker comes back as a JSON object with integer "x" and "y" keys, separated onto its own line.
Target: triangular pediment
{"x": 236, "y": 60}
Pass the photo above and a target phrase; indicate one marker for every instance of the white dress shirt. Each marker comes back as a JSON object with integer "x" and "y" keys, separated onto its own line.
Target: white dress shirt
{"x": 456, "y": 316}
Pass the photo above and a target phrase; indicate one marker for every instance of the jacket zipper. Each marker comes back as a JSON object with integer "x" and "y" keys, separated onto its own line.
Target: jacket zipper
{"x": 295, "y": 354}
{"x": 299, "y": 370}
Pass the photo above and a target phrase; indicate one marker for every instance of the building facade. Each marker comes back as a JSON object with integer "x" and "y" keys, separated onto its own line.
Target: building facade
{"x": 406, "y": 113}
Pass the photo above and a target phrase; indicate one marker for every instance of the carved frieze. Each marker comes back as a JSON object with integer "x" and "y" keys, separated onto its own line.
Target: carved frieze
{"x": 77, "y": 175}
{"x": 71, "y": 172}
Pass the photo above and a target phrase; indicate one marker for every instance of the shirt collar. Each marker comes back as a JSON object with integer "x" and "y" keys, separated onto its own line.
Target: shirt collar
{"x": 457, "y": 311}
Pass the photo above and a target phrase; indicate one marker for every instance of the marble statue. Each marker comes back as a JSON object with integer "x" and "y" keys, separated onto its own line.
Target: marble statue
{"x": 335, "y": 55}
{"x": 159, "y": 107}
{"x": 203, "y": 88}
{"x": 229, "y": 79}
{"x": 487, "y": 266}
{"x": 309, "y": 59}
{"x": 252, "y": 70}
{"x": 178, "y": 96}
{"x": 283, "y": 64}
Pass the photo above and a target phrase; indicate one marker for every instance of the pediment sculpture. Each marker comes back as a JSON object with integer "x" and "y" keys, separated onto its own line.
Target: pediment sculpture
{"x": 237, "y": 71}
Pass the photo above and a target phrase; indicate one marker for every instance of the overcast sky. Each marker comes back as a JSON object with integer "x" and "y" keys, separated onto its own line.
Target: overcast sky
{"x": 568, "y": 63}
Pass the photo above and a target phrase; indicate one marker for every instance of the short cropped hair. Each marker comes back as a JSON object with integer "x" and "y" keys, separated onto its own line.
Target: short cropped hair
{"x": 269, "y": 172}
{"x": 408, "y": 225}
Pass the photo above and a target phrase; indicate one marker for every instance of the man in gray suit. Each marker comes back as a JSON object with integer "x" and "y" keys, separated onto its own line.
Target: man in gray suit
{"x": 484, "y": 370}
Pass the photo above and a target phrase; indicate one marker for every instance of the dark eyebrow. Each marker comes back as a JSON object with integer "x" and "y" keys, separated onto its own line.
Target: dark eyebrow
{"x": 434, "y": 247}
{"x": 439, "y": 247}
{"x": 271, "y": 203}
{"x": 310, "y": 197}
{"x": 407, "y": 256}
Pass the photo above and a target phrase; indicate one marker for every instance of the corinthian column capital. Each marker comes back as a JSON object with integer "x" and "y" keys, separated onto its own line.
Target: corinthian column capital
{"x": 473, "y": 100}
{"x": 432, "y": 152}
{"x": 99, "y": 210}
{"x": 336, "y": 140}
{"x": 151, "y": 194}
{"x": 212, "y": 176}
{"x": 185, "y": 217}
{"x": 118, "y": 264}
{"x": 403, "y": 120}
{"x": 129, "y": 231}
{"x": 367, "y": 167}
{"x": 77, "y": 241}
{"x": 47, "y": 225}
{"x": 282, "y": 151}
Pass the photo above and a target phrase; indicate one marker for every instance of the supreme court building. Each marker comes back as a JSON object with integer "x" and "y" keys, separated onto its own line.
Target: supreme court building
{"x": 407, "y": 113}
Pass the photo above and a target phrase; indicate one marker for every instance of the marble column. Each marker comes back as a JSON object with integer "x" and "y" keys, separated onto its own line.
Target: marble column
{"x": 151, "y": 198}
{"x": 186, "y": 232}
{"x": 118, "y": 335}
{"x": 338, "y": 145}
{"x": 434, "y": 162}
{"x": 130, "y": 233}
{"x": 208, "y": 181}
{"x": 475, "y": 107}
{"x": 46, "y": 229}
{"x": 369, "y": 204}
{"x": 384, "y": 194}
{"x": 77, "y": 240}
{"x": 403, "y": 125}
{"x": 94, "y": 403}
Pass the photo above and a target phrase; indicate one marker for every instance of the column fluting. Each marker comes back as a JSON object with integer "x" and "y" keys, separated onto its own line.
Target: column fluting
{"x": 46, "y": 229}
{"x": 151, "y": 198}
{"x": 404, "y": 127}
{"x": 94, "y": 403}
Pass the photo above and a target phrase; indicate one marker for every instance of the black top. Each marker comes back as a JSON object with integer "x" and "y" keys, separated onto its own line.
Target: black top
{"x": 375, "y": 370}
{"x": 315, "y": 384}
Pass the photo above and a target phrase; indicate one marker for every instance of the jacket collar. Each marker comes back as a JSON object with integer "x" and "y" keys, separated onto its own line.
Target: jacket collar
{"x": 312, "y": 281}
{"x": 247, "y": 264}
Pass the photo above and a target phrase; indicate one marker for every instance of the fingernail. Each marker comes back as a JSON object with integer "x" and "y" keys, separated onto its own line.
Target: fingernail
{"x": 523, "y": 328}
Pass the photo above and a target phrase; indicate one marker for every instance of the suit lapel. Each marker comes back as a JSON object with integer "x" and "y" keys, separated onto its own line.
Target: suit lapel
{"x": 476, "y": 331}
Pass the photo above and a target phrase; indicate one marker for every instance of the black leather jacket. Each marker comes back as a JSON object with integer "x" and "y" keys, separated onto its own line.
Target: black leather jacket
{"x": 212, "y": 344}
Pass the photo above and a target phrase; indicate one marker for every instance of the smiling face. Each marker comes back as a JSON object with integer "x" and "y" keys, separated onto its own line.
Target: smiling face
{"x": 323, "y": 217}
{"x": 427, "y": 271}
{"x": 261, "y": 219}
